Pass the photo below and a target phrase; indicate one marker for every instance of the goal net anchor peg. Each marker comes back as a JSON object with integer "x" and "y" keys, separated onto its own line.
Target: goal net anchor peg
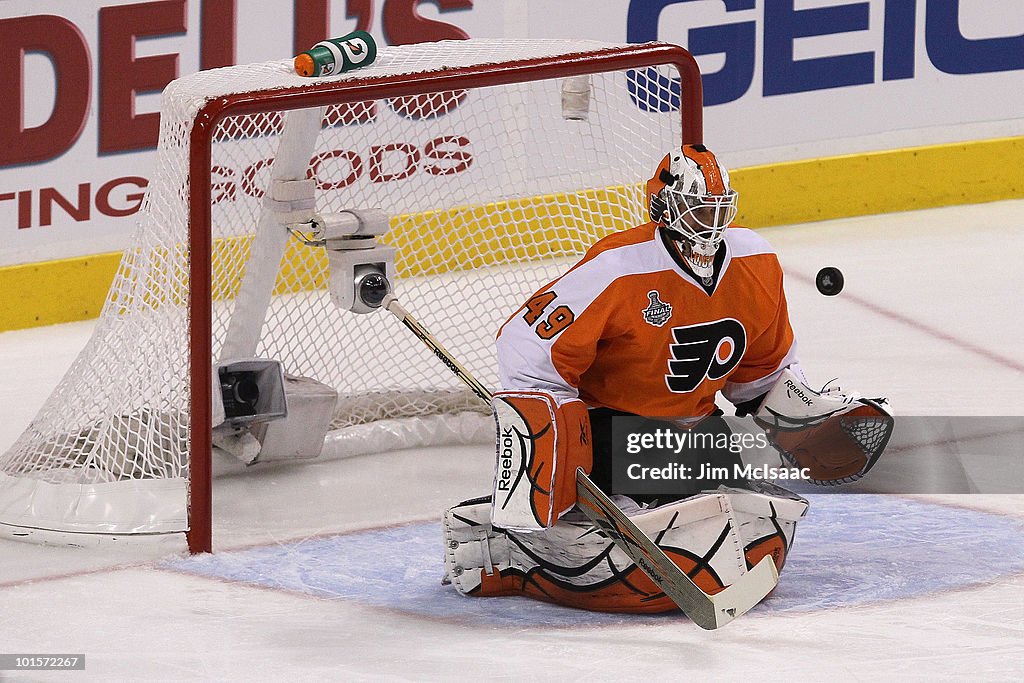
{"x": 358, "y": 261}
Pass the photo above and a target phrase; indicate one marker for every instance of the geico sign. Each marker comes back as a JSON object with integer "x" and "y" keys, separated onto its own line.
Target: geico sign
{"x": 783, "y": 24}
{"x": 338, "y": 168}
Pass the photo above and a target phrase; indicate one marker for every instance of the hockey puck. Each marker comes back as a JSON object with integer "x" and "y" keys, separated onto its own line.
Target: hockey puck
{"x": 829, "y": 281}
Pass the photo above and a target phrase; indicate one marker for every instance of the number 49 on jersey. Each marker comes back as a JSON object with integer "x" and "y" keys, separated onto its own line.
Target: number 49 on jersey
{"x": 556, "y": 320}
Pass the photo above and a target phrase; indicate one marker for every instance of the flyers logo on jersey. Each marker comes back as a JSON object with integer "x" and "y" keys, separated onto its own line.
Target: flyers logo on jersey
{"x": 704, "y": 351}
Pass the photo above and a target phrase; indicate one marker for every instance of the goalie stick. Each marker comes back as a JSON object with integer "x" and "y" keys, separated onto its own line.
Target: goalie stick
{"x": 707, "y": 611}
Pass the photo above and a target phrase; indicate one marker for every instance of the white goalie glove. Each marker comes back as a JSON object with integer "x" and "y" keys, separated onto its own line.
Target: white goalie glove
{"x": 837, "y": 436}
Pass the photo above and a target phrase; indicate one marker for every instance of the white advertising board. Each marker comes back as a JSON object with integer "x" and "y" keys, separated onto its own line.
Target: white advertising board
{"x": 784, "y": 80}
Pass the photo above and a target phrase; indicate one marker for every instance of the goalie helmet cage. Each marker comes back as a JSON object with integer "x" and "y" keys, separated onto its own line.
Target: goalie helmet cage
{"x": 499, "y": 162}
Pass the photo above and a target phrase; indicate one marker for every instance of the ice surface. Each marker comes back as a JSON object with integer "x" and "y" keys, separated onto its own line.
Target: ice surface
{"x": 330, "y": 570}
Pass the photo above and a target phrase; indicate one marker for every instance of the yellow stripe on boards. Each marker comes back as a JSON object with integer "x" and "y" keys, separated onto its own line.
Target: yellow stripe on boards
{"x": 517, "y": 230}
{"x": 880, "y": 182}
{"x": 52, "y": 292}
{"x": 510, "y": 231}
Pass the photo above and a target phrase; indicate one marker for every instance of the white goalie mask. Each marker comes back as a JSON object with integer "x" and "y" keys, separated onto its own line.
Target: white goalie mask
{"x": 690, "y": 195}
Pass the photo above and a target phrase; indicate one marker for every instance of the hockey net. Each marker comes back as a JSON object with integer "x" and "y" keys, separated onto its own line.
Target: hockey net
{"x": 494, "y": 183}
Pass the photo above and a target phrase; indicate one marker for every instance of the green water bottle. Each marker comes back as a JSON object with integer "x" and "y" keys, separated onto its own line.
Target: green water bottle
{"x": 337, "y": 55}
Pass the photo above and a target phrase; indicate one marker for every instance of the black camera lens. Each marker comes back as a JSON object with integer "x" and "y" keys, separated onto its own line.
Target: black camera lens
{"x": 373, "y": 287}
{"x": 240, "y": 393}
{"x": 246, "y": 391}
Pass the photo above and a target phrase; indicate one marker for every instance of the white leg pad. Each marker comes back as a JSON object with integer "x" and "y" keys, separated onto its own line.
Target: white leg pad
{"x": 716, "y": 527}
{"x": 472, "y": 546}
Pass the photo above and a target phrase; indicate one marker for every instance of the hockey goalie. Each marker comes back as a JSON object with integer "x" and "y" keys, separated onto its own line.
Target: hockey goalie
{"x": 653, "y": 322}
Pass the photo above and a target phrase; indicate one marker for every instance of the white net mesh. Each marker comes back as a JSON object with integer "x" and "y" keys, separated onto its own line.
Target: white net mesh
{"x": 491, "y": 191}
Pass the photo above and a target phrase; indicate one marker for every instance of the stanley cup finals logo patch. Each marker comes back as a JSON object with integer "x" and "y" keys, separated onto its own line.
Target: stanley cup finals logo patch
{"x": 658, "y": 312}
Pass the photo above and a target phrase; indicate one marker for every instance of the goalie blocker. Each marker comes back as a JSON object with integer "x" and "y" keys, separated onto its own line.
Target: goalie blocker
{"x": 838, "y": 437}
{"x": 541, "y": 442}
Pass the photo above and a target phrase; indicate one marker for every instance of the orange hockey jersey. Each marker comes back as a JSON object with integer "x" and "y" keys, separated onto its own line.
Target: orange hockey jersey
{"x": 630, "y": 328}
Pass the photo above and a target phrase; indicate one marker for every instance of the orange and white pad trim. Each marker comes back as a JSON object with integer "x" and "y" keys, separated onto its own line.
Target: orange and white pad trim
{"x": 715, "y": 537}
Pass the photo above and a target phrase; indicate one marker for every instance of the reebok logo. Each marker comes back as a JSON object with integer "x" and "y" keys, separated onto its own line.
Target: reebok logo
{"x": 796, "y": 390}
{"x": 506, "y": 459}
